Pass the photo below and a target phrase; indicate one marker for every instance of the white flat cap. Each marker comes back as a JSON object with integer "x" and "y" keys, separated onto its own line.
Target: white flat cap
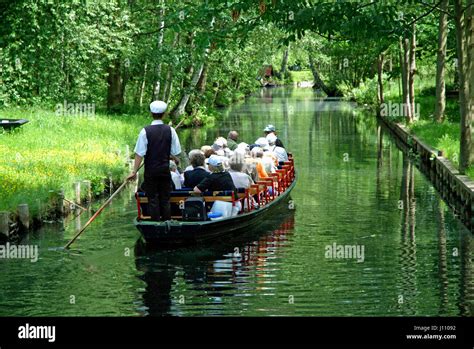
{"x": 158, "y": 107}
{"x": 271, "y": 138}
{"x": 262, "y": 142}
{"x": 243, "y": 146}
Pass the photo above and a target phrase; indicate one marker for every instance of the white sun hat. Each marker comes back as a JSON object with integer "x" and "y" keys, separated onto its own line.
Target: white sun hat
{"x": 158, "y": 107}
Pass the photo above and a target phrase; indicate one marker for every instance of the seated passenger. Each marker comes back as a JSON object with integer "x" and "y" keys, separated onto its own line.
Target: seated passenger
{"x": 279, "y": 152}
{"x": 199, "y": 171}
{"x": 239, "y": 177}
{"x": 175, "y": 176}
{"x": 257, "y": 154}
{"x": 232, "y": 138}
{"x": 220, "y": 147}
{"x": 243, "y": 148}
{"x": 251, "y": 168}
{"x": 191, "y": 153}
{"x": 205, "y": 148}
{"x": 269, "y": 160}
{"x": 270, "y": 129}
{"x": 218, "y": 179}
{"x": 208, "y": 152}
{"x": 262, "y": 143}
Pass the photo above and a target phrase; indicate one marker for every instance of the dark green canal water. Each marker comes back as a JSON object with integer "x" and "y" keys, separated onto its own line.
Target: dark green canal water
{"x": 354, "y": 188}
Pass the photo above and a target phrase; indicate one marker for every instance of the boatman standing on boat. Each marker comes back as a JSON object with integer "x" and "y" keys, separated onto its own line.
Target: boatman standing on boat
{"x": 156, "y": 144}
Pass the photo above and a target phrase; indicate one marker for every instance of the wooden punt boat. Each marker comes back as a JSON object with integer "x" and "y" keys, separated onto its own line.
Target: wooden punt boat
{"x": 8, "y": 124}
{"x": 257, "y": 202}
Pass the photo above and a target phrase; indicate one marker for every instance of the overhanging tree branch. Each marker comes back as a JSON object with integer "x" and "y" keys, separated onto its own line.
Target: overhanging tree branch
{"x": 419, "y": 17}
{"x": 438, "y": 8}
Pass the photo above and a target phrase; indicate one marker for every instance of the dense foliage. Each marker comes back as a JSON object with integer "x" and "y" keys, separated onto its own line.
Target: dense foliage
{"x": 122, "y": 54}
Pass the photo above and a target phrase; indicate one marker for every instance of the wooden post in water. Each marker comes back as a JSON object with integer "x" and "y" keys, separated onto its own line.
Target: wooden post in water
{"x": 111, "y": 184}
{"x": 88, "y": 189}
{"x": 39, "y": 204}
{"x": 77, "y": 192}
{"x": 77, "y": 223}
{"x": 5, "y": 223}
{"x": 60, "y": 203}
{"x": 53, "y": 201}
{"x": 24, "y": 216}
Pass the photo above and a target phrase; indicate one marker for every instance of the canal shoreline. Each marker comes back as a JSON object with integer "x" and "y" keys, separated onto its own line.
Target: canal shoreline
{"x": 456, "y": 189}
{"x": 15, "y": 225}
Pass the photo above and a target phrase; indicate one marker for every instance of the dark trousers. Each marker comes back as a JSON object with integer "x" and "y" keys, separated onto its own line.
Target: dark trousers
{"x": 157, "y": 187}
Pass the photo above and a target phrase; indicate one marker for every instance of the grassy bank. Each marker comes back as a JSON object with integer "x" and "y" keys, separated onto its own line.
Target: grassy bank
{"x": 442, "y": 136}
{"x": 51, "y": 152}
{"x": 300, "y": 76}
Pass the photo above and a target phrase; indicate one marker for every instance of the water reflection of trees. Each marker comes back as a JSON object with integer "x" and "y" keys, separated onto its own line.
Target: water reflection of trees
{"x": 409, "y": 265}
{"x": 466, "y": 297}
{"x": 442, "y": 258}
{"x": 209, "y": 274}
{"x": 462, "y": 252}
{"x": 408, "y": 261}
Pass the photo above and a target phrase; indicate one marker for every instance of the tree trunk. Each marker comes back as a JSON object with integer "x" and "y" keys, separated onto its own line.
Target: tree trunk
{"x": 468, "y": 158}
{"x": 401, "y": 72}
{"x": 125, "y": 79}
{"x": 403, "y": 76}
{"x": 405, "y": 64}
{"x": 169, "y": 75}
{"x": 181, "y": 106}
{"x": 411, "y": 73}
{"x": 318, "y": 83}
{"x": 168, "y": 84}
{"x": 115, "y": 90}
{"x": 463, "y": 33}
{"x": 201, "y": 85}
{"x": 189, "y": 69}
{"x": 284, "y": 62}
{"x": 200, "y": 88}
{"x": 167, "y": 96}
{"x": 156, "y": 92}
{"x": 380, "y": 63}
{"x": 143, "y": 84}
{"x": 215, "y": 88}
{"x": 441, "y": 63}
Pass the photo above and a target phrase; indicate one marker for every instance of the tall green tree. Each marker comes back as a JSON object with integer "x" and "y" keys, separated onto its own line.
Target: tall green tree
{"x": 441, "y": 61}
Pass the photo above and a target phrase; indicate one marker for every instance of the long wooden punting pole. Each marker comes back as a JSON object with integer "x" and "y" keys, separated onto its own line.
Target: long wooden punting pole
{"x": 109, "y": 200}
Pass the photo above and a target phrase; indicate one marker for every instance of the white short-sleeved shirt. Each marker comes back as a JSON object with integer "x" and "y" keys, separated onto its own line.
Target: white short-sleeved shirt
{"x": 240, "y": 179}
{"x": 190, "y": 168}
{"x": 268, "y": 164}
{"x": 279, "y": 152}
{"x": 142, "y": 142}
{"x": 176, "y": 178}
